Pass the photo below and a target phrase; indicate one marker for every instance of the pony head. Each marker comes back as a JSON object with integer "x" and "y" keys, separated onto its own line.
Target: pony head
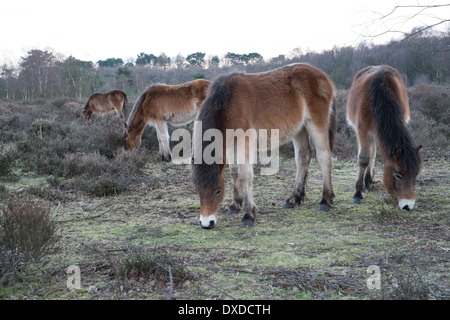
{"x": 209, "y": 181}
{"x": 400, "y": 175}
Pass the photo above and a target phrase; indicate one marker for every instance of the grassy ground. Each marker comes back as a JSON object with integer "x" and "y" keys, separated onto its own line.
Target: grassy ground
{"x": 145, "y": 243}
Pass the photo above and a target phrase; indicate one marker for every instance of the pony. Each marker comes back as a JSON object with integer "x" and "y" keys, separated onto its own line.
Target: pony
{"x": 378, "y": 109}
{"x": 297, "y": 101}
{"x": 114, "y": 100}
{"x": 159, "y": 105}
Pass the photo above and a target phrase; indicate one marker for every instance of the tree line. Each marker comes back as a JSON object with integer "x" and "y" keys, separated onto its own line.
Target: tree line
{"x": 43, "y": 74}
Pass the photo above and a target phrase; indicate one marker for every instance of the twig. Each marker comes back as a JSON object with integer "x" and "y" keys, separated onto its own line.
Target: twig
{"x": 427, "y": 286}
{"x": 89, "y": 217}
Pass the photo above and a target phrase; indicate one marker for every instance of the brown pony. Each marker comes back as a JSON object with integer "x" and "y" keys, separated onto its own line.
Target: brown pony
{"x": 114, "y": 100}
{"x": 377, "y": 109}
{"x": 161, "y": 104}
{"x": 296, "y": 100}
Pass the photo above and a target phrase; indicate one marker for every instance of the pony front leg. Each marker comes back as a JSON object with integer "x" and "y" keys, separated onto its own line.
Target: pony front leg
{"x": 163, "y": 140}
{"x": 245, "y": 179}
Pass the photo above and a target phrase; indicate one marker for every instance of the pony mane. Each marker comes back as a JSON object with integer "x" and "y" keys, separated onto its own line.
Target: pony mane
{"x": 135, "y": 108}
{"x": 125, "y": 102}
{"x": 87, "y": 102}
{"x": 204, "y": 174}
{"x": 387, "y": 114}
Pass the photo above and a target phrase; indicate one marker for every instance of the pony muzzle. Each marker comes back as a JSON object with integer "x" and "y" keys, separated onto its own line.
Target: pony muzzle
{"x": 406, "y": 204}
{"x": 208, "y": 222}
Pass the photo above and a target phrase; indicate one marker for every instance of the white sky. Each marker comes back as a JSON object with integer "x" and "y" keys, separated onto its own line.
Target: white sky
{"x": 93, "y": 30}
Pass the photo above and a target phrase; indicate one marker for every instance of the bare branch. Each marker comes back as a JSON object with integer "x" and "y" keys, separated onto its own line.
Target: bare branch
{"x": 394, "y": 23}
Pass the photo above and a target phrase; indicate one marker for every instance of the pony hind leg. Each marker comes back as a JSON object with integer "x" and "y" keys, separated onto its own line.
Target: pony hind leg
{"x": 321, "y": 143}
{"x": 302, "y": 158}
{"x": 365, "y": 146}
{"x": 370, "y": 171}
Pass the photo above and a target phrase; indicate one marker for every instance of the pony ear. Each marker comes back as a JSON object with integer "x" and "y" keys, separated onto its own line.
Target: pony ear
{"x": 398, "y": 153}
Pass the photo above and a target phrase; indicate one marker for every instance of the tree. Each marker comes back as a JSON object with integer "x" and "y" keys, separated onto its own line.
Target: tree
{"x": 35, "y": 73}
{"x": 236, "y": 58}
{"x": 124, "y": 77}
{"x": 110, "y": 62}
{"x": 215, "y": 61}
{"x": 79, "y": 77}
{"x": 179, "y": 61}
{"x": 7, "y": 76}
{"x": 163, "y": 61}
{"x": 196, "y": 59}
{"x": 146, "y": 59}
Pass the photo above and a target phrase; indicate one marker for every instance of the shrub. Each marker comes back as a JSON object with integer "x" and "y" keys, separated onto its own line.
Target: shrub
{"x": 27, "y": 233}
{"x": 432, "y": 100}
{"x": 8, "y": 154}
{"x": 159, "y": 265}
{"x": 88, "y": 165}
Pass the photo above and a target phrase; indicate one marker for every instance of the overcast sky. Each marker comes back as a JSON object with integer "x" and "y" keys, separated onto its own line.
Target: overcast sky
{"x": 93, "y": 30}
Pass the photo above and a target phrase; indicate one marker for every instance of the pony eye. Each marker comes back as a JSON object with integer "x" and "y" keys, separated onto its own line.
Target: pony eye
{"x": 398, "y": 176}
{"x": 218, "y": 192}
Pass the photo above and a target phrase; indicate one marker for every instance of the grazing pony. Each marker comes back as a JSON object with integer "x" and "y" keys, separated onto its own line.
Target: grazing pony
{"x": 114, "y": 100}
{"x": 377, "y": 109}
{"x": 161, "y": 104}
{"x": 297, "y": 100}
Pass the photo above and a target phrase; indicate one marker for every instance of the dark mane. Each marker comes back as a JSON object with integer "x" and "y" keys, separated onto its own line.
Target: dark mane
{"x": 204, "y": 174}
{"x": 125, "y": 102}
{"x": 87, "y": 103}
{"x": 135, "y": 108}
{"x": 391, "y": 132}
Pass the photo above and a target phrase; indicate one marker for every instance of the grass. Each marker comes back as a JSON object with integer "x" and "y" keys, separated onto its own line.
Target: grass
{"x": 300, "y": 253}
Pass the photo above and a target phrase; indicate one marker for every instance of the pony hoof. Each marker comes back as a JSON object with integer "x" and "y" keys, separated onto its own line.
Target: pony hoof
{"x": 357, "y": 201}
{"x": 288, "y": 205}
{"x": 164, "y": 159}
{"x": 247, "y": 223}
{"x": 366, "y": 191}
{"x": 324, "y": 207}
